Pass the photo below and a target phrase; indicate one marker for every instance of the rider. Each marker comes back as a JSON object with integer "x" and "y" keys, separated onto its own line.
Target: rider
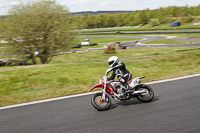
{"x": 119, "y": 70}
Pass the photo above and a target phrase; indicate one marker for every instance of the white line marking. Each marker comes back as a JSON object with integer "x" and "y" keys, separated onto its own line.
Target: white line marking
{"x": 47, "y": 100}
{"x": 173, "y": 79}
{"x": 152, "y": 44}
{"x": 89, "y": 93}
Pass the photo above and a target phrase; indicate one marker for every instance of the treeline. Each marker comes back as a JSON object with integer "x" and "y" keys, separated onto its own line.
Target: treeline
{"x": 152, "y": 17}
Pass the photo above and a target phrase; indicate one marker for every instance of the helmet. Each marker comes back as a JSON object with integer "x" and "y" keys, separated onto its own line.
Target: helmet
{"x": 112, "y": 61}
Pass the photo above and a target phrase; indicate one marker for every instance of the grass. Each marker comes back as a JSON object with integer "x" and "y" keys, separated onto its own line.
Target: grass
{"x": 121, "y": 35}
{"x": 78, "y": 72}
{"x": 168, "y": 41}
{"x": 146, "y": 28}
{"x": 107, "y": 40}
{"x": 89, "y": 47}
{"x": 2, "y": 50}
{"x": 3, "y": 45}
{"x": 162, "y": 41}
{"x": 104, "y": 40}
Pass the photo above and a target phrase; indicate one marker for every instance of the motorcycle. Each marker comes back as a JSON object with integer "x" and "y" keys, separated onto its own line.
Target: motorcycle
{"x": 102, "y": 101}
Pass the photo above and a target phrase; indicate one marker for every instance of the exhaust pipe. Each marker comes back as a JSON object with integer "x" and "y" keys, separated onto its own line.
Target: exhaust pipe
{"x": 140, "y": 91}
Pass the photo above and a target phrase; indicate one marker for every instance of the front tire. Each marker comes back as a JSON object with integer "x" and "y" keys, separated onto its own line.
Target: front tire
{"x": 98, "y": 104}
{"x": 147, "y": 96}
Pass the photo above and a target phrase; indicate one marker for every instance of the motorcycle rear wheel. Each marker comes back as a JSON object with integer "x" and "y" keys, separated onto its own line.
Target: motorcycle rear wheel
{"x": 98, "y": 104}
{"x": 145, "y": 97}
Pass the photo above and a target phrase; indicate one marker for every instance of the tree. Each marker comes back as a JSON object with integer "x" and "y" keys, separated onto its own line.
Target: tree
{"x": 133, "y": 19}
{"x": 188, "y": 19}
{"x": 143, "y": 17}
{"x": 110, "y": 21}
{"x": 1, "y": 26}
{"x": 162, "y": 16}
{"x": 42, "y": 27}
{"x": 119, "y": 19}
{"x": 100, "y": 21}
{"x": 91, "y": 22}
{"x": 79, "y": 22}
{"x": 154, "y": 22}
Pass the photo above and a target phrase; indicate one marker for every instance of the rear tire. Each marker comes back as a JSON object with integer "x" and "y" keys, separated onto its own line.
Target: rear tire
{"x": 98, "y": 104}
{"x": 147, "y": 96}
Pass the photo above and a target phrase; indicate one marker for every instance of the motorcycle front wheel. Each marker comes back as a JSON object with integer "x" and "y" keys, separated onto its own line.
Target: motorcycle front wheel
{"x": 147, "y": 96}
{"x": 98, "y": 104}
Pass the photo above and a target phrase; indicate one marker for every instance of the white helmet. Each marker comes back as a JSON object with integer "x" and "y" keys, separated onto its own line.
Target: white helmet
{"x": 112, "y": 61}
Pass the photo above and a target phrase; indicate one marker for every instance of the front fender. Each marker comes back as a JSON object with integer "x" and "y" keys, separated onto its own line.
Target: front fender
{"x": 96, "y": 86}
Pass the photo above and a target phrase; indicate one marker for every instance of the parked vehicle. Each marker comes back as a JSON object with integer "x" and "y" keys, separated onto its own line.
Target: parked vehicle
{"x": 86, "y": 42}
{"x": 102, "y": 101}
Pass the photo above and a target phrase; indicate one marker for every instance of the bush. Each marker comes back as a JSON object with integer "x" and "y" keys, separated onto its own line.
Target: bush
{"x": 110, "y": 50}
{"x": 154, "y": 22}
{"x": 133, "y": 24}
{"x": 188, "y": 19}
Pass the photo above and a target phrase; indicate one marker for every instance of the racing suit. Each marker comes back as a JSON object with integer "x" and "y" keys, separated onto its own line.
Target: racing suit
{"x": 122, "y": 74}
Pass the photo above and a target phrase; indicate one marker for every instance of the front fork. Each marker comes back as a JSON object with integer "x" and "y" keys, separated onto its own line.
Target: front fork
{"x": 103, "y": 99}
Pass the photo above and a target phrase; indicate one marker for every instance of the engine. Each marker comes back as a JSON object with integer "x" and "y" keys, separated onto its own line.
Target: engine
{"x": 120, "y": 90}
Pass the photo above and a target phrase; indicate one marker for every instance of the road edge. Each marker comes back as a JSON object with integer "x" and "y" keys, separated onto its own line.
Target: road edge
{"x": 89, "y": 93}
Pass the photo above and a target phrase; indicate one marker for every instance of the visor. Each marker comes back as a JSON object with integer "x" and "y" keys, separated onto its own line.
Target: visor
{"x": 111, "y": 62}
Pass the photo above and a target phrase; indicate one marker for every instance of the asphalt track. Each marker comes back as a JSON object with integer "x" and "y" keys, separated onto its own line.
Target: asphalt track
{"x": 137, "y": 43}
{"x": 175, "y": 109}
{"x": 134, "y": 44}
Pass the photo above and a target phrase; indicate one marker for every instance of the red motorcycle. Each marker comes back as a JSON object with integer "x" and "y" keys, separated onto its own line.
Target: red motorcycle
{"x": 101, "y": 100}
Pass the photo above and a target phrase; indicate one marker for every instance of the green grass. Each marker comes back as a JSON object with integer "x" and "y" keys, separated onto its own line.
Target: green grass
{"x": 3, "y": 45}
{"x": 2, "y": 51}
{"x": 158, "y": 30}
{"x": 162, "y": 41}
{"x": 146, "y": 28}
{"x": 78, "y": 72}
{"x": 104, "y": 40}
{"x": 89, "y": 47}
{"x": 107, "y": 40}
{"x": 114, "y": 35}
{"x": 168, "y": 41}
{"x": 198, "y": 37}
{"x": 121, "y": 35}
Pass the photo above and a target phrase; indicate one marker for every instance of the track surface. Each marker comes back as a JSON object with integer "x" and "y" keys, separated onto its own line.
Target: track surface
{"x": 133, "y": 44}
{"x": 175, "y": 109}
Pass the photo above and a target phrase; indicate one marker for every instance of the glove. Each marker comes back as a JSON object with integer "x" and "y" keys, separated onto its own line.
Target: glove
{"x": 109, "y": 69}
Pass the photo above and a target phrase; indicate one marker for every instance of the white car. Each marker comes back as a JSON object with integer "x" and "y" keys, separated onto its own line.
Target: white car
{"x": 3, "y": 41}
{"x": 85, "y": 42}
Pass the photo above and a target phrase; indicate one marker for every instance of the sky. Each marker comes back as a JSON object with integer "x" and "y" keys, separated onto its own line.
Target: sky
{"x": 107, "y": 5}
